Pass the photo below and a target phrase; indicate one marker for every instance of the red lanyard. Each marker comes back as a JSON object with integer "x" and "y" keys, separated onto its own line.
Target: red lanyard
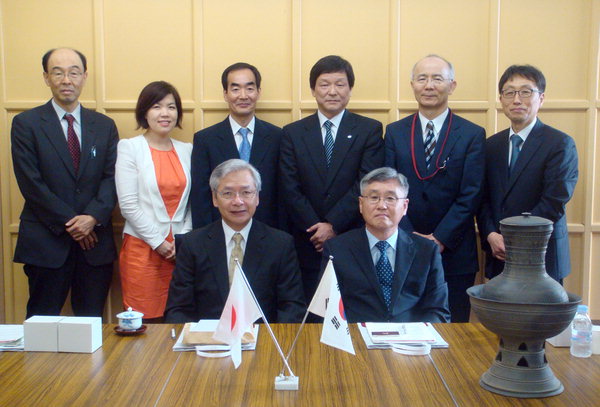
{"x": 437, "y": 160}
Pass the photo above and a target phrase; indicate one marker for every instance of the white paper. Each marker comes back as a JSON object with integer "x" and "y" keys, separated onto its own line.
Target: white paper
{"x": 399, "y": 332}
{"x": 438, "y": 343}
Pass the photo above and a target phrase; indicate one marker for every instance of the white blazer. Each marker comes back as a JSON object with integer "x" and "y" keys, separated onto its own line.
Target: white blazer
{"x": 140, "y": 201}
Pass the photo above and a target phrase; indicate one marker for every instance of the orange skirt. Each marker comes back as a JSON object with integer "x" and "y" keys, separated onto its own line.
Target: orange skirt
{"x": 145, "y": 277}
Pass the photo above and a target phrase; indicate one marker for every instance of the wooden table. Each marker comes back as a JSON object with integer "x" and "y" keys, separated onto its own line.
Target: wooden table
{"x": 471, "y": 352}
{"x": 144, "y": 371}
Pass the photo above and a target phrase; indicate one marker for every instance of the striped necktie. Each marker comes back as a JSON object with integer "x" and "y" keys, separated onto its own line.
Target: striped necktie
{"x": 328, "y": 141}
{"x": 429, "y": 143}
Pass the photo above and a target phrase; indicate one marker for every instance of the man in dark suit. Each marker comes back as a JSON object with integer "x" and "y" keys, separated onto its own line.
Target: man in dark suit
{"x": 530, "y": 167}
{"x": 206, "y": 257}
{"x": 384, "y": 273}
{"x": 442, "y": 156}
{"x": 240, "y": 135}
{"x": 64, "y": 161}
{"x": 323, "y": 157}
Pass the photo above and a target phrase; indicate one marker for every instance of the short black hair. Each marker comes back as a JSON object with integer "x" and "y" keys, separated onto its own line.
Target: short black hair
{"x": 152, "y": 93}
{"x": 328, "y": 64}
{"x": 526, "y": 71}
{"x": 237, "y": 67}
{"x": 48, "y": 54}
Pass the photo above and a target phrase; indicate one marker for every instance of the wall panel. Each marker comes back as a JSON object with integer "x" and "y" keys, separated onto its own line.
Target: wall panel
{"x": 540, "y": 31}
{"x": 246, "y": 31}
{"x": 33, "y": 27}
{"x": 145, "y": 41}
{"x": 444, "y": 28}
{"x": 358, "y": 32}
{"x": 190, "y": 42}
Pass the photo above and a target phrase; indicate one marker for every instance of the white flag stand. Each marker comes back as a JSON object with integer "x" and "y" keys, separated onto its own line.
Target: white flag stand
{"x": 281, "y": 382}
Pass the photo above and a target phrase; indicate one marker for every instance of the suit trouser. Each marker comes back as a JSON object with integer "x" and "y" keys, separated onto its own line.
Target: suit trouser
{"x": 458, "y": 299}
{"x": 49, "y": 287}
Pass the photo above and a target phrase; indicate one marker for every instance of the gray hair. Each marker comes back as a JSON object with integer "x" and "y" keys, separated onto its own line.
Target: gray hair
{"x": 384, "y": 174}
{"x": 229, "y": 166}
{"x": 450, "y": 66}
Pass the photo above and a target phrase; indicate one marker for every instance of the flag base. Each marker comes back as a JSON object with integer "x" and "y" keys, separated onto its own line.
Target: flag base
{"x": 286, "y": 382}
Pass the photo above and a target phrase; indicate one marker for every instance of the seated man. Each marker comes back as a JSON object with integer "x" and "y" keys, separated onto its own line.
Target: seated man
{"x": 384, "y": 273}
{"x": 205, "y": 257}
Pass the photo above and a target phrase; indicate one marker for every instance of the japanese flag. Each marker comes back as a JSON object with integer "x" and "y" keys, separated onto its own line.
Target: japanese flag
{"x": 240, "y": 312}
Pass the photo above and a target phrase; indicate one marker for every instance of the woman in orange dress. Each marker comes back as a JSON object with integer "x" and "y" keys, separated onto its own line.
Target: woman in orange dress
{"x": 153, "y": 184}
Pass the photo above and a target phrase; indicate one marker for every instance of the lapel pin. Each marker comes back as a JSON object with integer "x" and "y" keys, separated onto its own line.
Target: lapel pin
{"x": 349, "y": 136}
{"x": 93, "y": 152}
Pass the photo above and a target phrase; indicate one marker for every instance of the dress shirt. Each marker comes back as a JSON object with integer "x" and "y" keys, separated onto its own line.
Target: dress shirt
{"x": 438, "y": 122}
{"x": 235, "y": 128}
{"x": 390, "y": 251}
{"x": 523, "y": 134}
{"x": 76, "y": 113}
{"x": 335, "y": 122}
{"x": 229, "y": 243}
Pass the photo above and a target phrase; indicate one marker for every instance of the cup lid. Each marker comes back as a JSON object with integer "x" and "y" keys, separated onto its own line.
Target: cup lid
{"x": 129, "y": 314}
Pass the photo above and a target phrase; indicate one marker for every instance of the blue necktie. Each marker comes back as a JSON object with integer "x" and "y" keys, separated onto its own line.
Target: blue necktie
{"x": 245, "y": 146}
{"x": 385, "y": 274}
{"x": 429, "y": 143}
{"x": 516, "y": 141}
{"x": 328, "y": 141}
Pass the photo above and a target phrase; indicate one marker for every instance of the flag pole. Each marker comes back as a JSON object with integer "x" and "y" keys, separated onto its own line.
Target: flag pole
{"x": 295, "y": 340}
{"x": 301, "y": 327}
{"x": 285, "y": 362}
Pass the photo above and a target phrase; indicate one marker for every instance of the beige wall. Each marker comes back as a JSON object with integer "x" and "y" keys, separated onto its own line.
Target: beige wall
{"x": 132, "y": 42}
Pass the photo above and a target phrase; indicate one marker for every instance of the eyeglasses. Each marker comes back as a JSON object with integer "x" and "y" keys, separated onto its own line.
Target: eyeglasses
{"x": 388, "y": 200}
{"x": 523, "y": 93}
{"x": 58, "y": 75}
{"x": 436, "y": 79}
{"x": 244, "y": 195}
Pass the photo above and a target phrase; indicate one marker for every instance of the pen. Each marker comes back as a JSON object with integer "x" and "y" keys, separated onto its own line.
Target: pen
{"x": 172, "y": 333}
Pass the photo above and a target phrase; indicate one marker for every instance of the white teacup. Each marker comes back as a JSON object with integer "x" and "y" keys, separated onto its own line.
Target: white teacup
{"x": 130, "y": 320}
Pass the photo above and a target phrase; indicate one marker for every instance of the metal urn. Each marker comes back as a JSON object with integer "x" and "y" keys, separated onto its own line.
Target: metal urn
{"x": 524, "y": 306}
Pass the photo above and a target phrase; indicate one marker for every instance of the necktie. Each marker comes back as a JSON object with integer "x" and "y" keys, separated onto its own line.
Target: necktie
{"x": 516, "y": 142}
{"x": 384, "y": 271}
{"x": 429, "y": 143}
{"x": 328, "y": 141}
{"x": 245, "y": 146}
{"x": 73, "y": 142}
{"x": 236, "y": 253}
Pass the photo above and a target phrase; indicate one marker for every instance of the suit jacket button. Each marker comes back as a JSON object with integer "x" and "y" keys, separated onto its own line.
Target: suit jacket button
{"x": 78, "y": 190}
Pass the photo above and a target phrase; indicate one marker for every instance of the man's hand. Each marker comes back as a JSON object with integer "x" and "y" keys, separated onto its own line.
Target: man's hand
{"x": 80, "y": 226}
{"x": 496, "y": 242}
{"x": 322, "y": 232}
{"x": 166, "y": 250}
{"x": 89, "y": 242}
{"x": 432, "y": 237}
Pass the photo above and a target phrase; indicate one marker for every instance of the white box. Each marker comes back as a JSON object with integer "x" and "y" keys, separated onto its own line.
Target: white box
{"x": 40, "y": 333}
{"x": 79, "y": 334}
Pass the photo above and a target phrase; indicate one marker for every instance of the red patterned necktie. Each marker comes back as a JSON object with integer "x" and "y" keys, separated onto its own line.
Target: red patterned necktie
{"x": 73, "y": 142}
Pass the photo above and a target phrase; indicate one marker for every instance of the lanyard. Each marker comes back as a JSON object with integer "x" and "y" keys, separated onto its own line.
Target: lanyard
{"x": 412, "y": 149}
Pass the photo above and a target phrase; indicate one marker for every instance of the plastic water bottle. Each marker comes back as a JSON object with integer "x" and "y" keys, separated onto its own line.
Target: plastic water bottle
{"x": 581, "y": 333}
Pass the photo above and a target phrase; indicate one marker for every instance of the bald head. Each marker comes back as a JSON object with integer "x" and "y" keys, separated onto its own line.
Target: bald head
{"x": 49, "y": 53}
{"x": 434, "y": 57}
